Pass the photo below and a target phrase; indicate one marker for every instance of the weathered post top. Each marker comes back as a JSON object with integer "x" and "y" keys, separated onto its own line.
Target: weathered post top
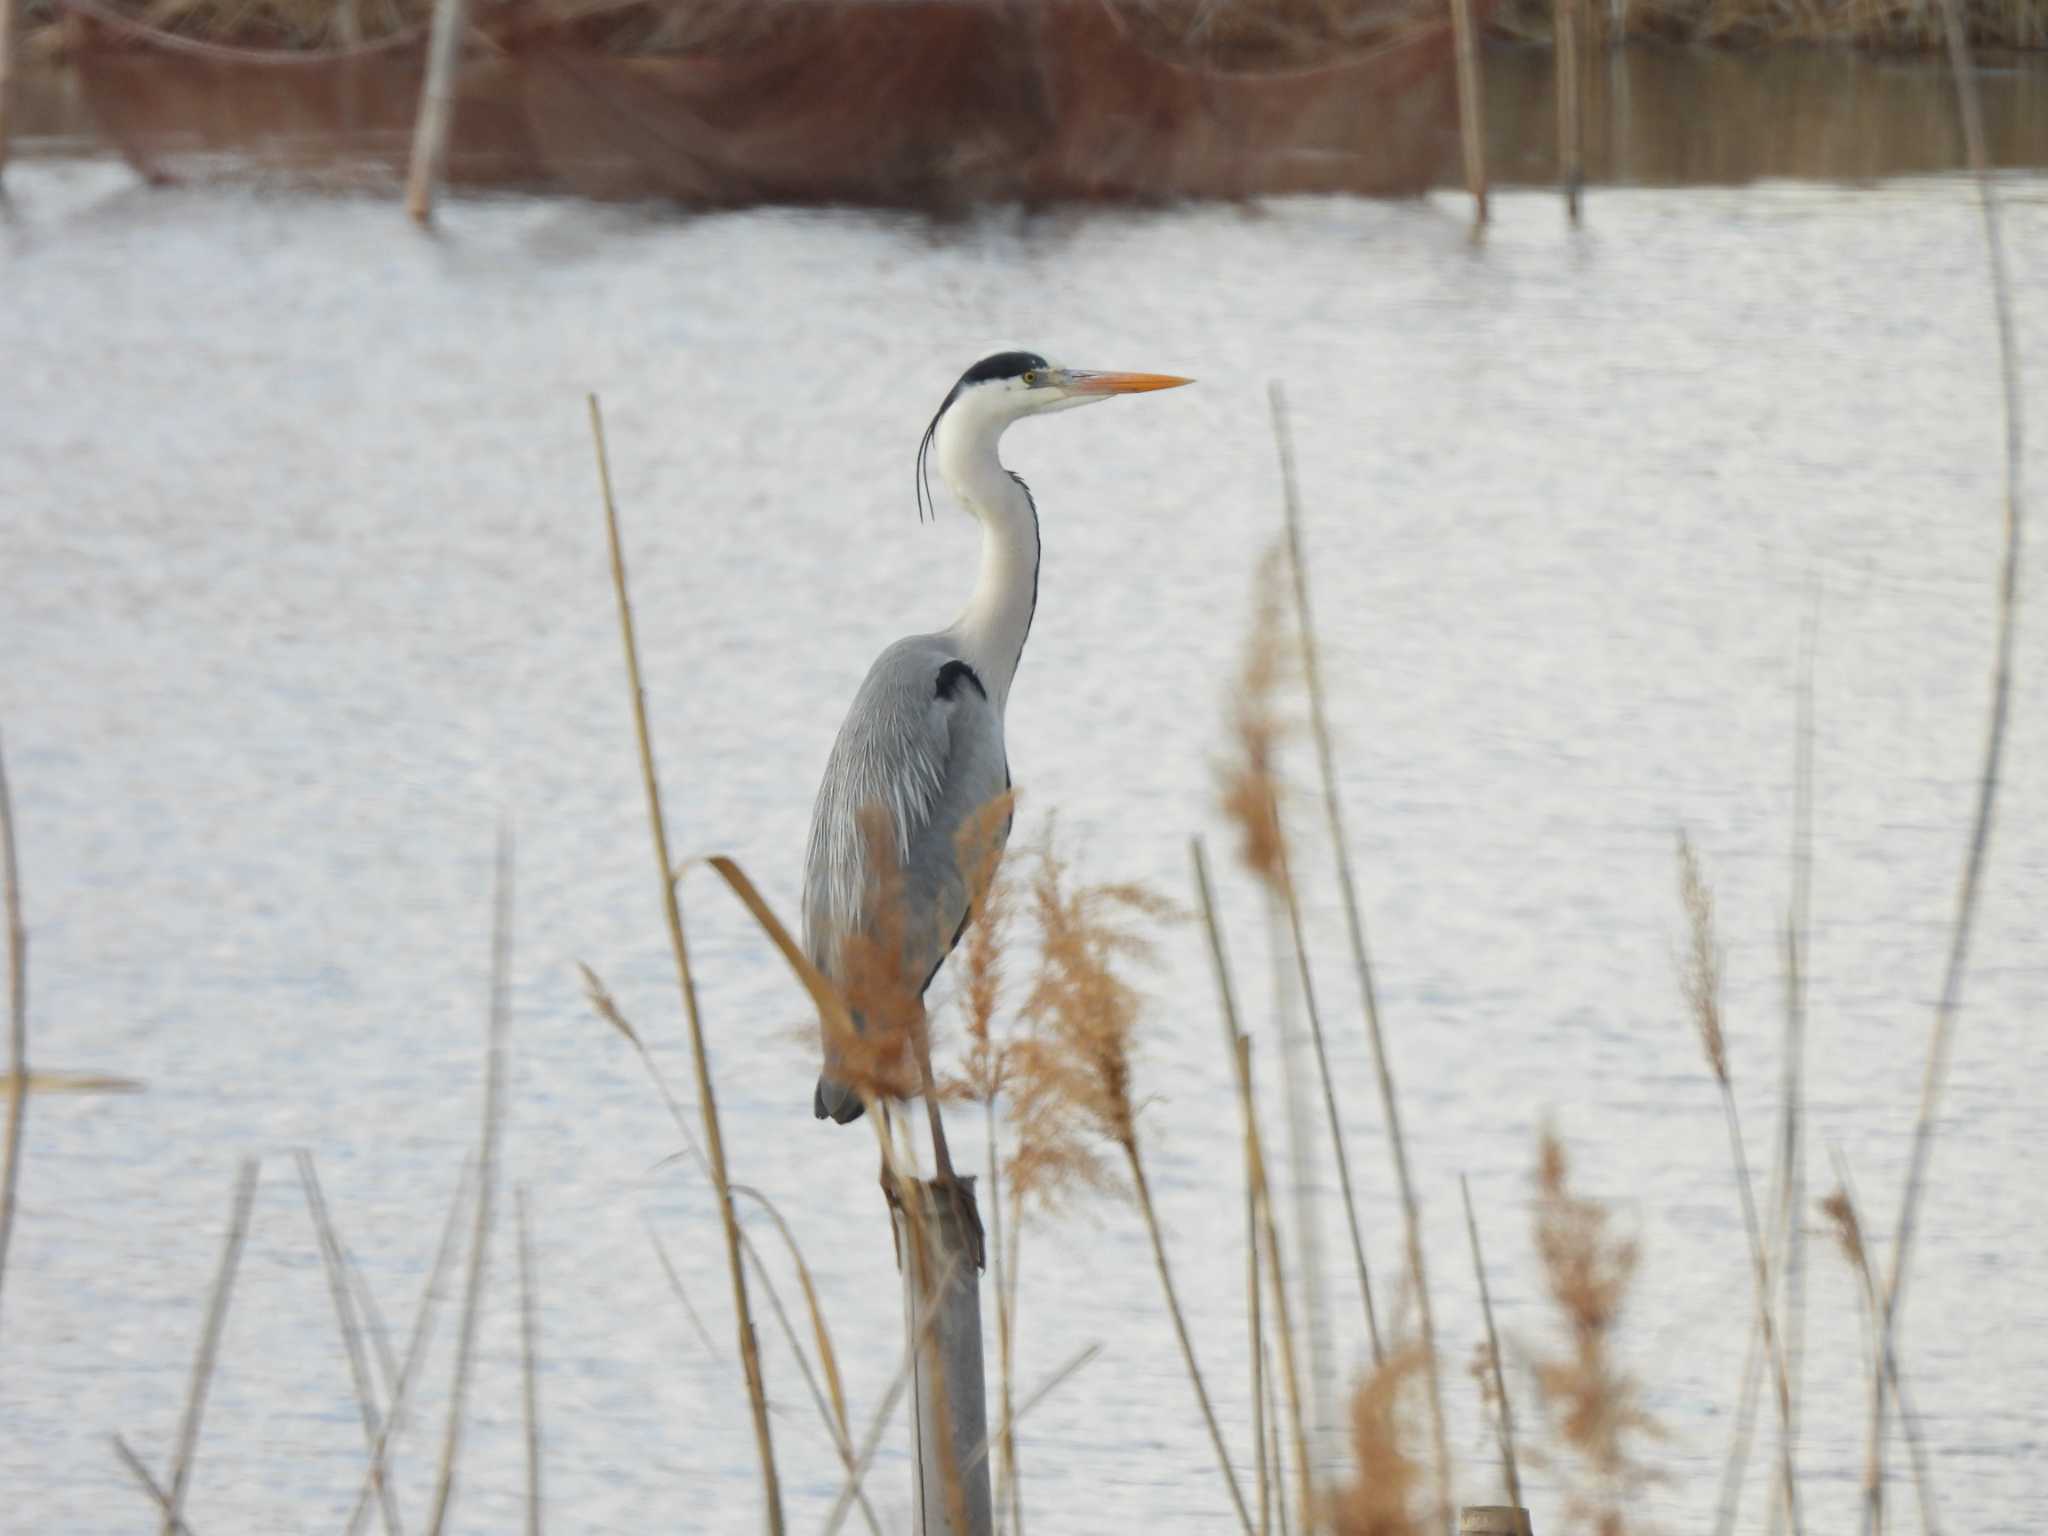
{"x": 1493, "y": 1520}
{"x": 942, "y": 1284}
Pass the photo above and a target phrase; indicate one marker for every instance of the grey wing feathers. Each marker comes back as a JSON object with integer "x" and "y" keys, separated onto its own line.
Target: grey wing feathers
{"x": 929, "y": 753}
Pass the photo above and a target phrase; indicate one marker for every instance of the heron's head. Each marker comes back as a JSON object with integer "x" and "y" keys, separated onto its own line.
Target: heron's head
{"x": 1007, "y": 386}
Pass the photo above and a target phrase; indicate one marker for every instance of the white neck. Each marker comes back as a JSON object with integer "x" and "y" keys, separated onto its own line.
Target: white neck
{"x": 990, "y": 630}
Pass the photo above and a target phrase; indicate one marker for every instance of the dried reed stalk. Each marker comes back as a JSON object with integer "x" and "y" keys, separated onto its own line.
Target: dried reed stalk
{"x": 1380, "y": 1498}
{"x": 486, "y": 1181}
{"x": 1702, "y": 986}
{"x": 149, "y": 1485}
{"x": 1255, "y": 1170}
{"x": 1046, "y": 1388}
{"x": 17, "y": 981}
{"x": 529, "y": 1327}
{"x": 1596, "y": 1406}
{"x": 1506, "y": 1426}
{"x": 1077, "y": 1066}
{"x": 1841, "y": 1210}
{"x": 750, "y": 1355}
{"x": 1254, "y": 1322}
{"x": 1971, "y": 108}
{"x": 1790, "y": 1174}
{"x": 351, "y": 1333}
{"x": 1326, "y": 763}
{"x": 209, "y": 1345}
{"x": 373, "y": 1322}
{"x": 415, "y": 1348}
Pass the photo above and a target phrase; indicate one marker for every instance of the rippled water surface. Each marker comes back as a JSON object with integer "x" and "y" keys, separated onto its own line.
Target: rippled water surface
{"x": 303, "y": 592}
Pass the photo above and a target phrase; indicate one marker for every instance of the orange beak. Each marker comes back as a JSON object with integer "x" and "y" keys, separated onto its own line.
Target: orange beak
{"x": 1081, "y": 382}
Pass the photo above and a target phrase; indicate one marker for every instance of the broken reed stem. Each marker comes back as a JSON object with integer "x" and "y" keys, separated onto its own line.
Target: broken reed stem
{"x": 486, "y": 1183}
{"x": 373, "y": 1323}
{"x": 415, "y": 1347}
{"x": 750, "y": 1355}
{"x": 1971, "y": 108}
{"x": 1326, "y": 764}
{"x": 1500, "y": 1380}
{"x": 675, "y": 1283}
{"x": 209, "y": 1344}
{"x": 529, "y": 1327}
{"x": 1773, "y": 1351}
{"x": 1255, "y": 1169}
{"x": 149, "y": 1485}
{"x": 351, "y": 1332}
{"x": 1273, "y": 1447}
{"x": 1471, "y": 121}
{"x": 1291, "y": 899}
{"x": 1180, "y": 1329}
{"x": 436, "y": 117}
{"x": 17, "y": 972}
{"x": 1736, "y": 1467}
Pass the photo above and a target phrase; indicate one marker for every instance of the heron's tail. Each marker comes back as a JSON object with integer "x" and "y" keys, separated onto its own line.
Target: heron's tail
{"x": 837, "y": 1102}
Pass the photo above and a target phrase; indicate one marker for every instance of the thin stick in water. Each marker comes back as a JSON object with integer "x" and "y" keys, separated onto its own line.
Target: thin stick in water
{"x": 209, "y": 1344}
{"x": 436, "y": 118}
{"x": 1500, "y": 1380}
{"x": 1471, "y": 114}
{"x": 714, "y": 1140}
{"x": 486, "y": 1185}
{"x": 1570, "y": 169}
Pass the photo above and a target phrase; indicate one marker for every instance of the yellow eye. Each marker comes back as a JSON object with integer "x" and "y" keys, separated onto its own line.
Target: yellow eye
{"x": 1030, "y": 377}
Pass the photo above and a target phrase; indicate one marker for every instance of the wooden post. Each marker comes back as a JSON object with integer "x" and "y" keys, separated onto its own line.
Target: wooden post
{"x": 437, "y": 108}
{"x": 948, "y": 1403}
{"x": 1471, "y": 119}
{"x": 1493, "y": 1520}
{"x": 1565, "y": 44}
{"x": 10, "y": 50}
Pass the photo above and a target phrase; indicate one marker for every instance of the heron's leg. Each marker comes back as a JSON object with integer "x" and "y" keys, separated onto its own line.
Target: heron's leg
{"x": 942, "y": 1157}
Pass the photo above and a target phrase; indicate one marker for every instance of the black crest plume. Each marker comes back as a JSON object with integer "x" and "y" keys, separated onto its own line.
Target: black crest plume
{"x": 997, "y": 365}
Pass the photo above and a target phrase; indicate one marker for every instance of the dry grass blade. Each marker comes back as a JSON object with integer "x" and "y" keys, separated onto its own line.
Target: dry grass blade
{"x": 1943, "y": 1035}
{"x": 486, "y": 1184}
{"x": 209, "y": 1344}
{"x": 351, "y": 1332}
{"x": 415, "y": 1347}
{"x": 1361, "y": 959}
{"x": 675, "y": 1283}
{"x": 1701, "y": 984}
{"x": 17, "y": 1007}
{"x": 148, "y": 1484}
{"x": 1506, "y": 1423}
{"x": 529, "y": 1328}
{"x": 45, "y": 1082}
{"x": 1045, "y": 1389}
{"x": 373, "y": 1323}
{"x": 828, "y": 1358}
{"x": 1255, "y": 1169}
{"x": 750, "y": 1355}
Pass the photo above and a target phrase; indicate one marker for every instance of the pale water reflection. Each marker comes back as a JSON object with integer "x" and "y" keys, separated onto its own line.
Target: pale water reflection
{"x": 303, "y": 588}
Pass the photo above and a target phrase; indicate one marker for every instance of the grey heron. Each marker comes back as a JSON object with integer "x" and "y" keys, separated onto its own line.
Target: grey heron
{"x": 922, "y": 749}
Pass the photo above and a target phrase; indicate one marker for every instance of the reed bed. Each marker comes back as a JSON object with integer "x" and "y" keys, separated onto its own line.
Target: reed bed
{"x": 1238, "y": 33}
